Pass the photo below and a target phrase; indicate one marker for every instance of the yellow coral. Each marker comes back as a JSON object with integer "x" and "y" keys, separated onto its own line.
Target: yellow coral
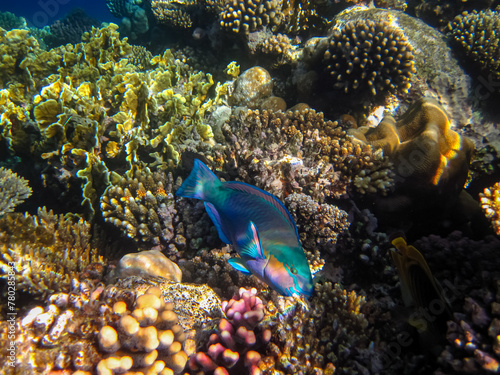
{"x": 490, "y": 203}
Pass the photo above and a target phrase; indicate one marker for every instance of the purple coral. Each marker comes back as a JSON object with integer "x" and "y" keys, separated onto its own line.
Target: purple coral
{"x": 231, "y": 349}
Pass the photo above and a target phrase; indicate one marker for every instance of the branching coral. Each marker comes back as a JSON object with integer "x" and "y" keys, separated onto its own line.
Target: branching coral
{"x": 142, "y": 206}
{"x": 333, "y": 335}
{"x": 247, "y": 16}
{"x": 70, "y": 28}
{"x": 476, "y": 34}
{"x": 301, "y": 151}
{"x": 47, "y": 250}
{"x": 13, "y": 190}
{"x": 490, "y": 203}
{"x": 370, "y": 56}
{"x": 233, "y": 349}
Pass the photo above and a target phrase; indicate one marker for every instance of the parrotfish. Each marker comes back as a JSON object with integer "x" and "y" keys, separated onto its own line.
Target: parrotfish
{"x": 259, "y": 227}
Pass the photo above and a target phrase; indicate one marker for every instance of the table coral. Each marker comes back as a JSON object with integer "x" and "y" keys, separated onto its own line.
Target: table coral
{"x": 13, "y": 190}
{"x": 475, "y": 33}
{"x": 47, "y": 250}
{"x": 370, "y": 56}
{"x": 490, "y": 203}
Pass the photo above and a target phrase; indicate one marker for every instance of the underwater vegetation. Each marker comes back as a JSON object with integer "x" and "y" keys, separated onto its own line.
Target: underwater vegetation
{"x": 343, "y": 157}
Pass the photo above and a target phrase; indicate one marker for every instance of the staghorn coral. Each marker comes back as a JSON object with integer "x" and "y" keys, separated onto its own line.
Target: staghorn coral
{"x": 371, "y": 56}
{"x": 301, "y": 151}
{"x": 490, "y": 203}
{"x": 476, "y": 34}
{"x": 234, "y": 348}
{"x": 13, "y": 190}
{"x": 47, "y": 250}
{"x": 247, "y": 16}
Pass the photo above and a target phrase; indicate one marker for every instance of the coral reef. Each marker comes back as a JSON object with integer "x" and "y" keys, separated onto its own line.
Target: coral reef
{"x": 97, "y": 329}
{"x": 300, "y": 151}
{"x": 252, "y": 87}
{"x": 472, "y": 337}
{"x": 134, "y": 18}
{"x": 47, "y": 250}
{"x": 370, "y": 56}
{"x": 490, "y": 203}
{"x": 475, "y": 33}
{"x": 246, "y": 16}
{"x": 9, "y": 21}
{"x": 70, "y": 28}
{"x": 234, "y": 348}
{"x": 333, "y": 335}
{"x": 174, "y": 13}
{"x": 13, "y": 190}
{"x": 430, "y": 159}
{"x": 150, "y": 263}
{"x": 134, "y": 203}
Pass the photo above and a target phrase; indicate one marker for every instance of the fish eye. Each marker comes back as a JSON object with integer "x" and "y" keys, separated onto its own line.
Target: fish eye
{"x": 293, "y": 270}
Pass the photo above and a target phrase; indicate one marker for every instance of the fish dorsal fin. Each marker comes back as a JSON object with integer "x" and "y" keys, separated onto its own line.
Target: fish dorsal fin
{"x": 214, "y": 215}
{"x": 249, "y": 245}
{"x": 268, "y": 197}
{"x": 239, "y": 265}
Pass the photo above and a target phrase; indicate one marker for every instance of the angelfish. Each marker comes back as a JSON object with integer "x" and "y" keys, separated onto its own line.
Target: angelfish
{"x": 259, "y": 227}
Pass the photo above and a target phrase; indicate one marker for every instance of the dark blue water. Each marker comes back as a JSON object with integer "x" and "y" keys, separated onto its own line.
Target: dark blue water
{"x": 44, "y": 12}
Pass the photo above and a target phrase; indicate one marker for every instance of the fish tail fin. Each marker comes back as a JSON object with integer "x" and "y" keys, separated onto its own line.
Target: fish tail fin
{"x": 199, "y": 183}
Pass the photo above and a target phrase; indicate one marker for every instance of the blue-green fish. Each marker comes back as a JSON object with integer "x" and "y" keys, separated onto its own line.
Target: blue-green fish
{"x": 259, "y": 227}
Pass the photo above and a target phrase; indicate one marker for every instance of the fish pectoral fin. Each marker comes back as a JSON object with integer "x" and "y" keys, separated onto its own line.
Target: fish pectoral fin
{"x": 215, "y": 217}
{"x": 249, "y": 245}
{"x": 239, "y": 265}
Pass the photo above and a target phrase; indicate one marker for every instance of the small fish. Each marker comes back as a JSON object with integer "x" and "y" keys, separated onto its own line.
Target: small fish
{"x": 259, "y": 227}
{"x": 420, "y": 289}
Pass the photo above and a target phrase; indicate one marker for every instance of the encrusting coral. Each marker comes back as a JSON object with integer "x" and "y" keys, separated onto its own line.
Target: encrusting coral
{"x": 13, "y": 190}
{"x": 372, "y": 56}
{"x": 476, "y": 33}
{"x": 101, "y": 330}
{"x": 490, "y": 203}
{"x": 429, "y": 157}
{"x": 47, "y": 250}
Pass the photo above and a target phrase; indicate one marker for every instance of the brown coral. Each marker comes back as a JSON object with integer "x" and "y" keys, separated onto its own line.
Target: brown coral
{"x": 13, "y": 190}
{"x": 247, "y": 16}
{"x": 490, "y": 203}
{"x": 422, "y": 145}
{"x": 370, "y": 56}
{"x": 47, "y": 250}
{"x": 301, "y": 151}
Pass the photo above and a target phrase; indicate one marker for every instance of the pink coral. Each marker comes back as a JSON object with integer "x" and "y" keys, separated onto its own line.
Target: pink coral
{"x": 233, "y": 349}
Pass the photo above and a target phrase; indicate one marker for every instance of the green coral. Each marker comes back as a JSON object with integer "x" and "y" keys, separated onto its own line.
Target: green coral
{"x": 9, "y": 21}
